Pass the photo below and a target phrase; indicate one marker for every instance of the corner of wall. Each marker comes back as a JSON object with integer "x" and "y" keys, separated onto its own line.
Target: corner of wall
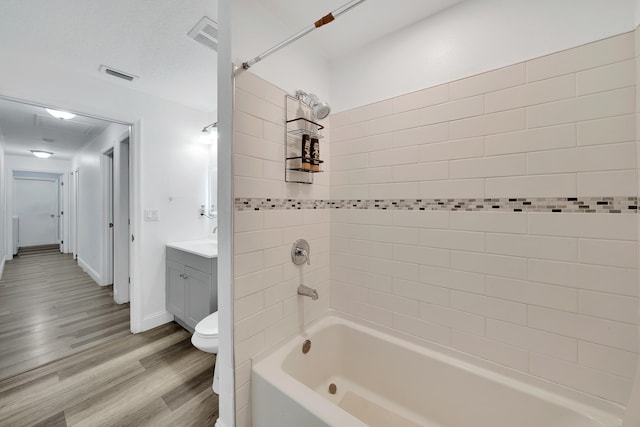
{"x": 90, "y": 271}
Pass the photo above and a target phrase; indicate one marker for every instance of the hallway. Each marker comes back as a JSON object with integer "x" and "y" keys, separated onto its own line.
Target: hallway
{"x": 67, "y": 356}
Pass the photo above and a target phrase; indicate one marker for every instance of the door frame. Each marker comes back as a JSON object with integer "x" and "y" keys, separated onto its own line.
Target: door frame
{"x": 58, "y": 226}
{"x": 108, "y": 195}
{"x": 135, "y": 125}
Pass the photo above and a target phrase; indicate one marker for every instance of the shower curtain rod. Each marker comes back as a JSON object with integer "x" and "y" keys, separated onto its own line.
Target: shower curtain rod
{"x": 319, "y": 23}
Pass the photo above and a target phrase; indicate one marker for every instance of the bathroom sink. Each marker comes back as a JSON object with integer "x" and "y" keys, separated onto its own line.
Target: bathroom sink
{"x": 206, "y": 248}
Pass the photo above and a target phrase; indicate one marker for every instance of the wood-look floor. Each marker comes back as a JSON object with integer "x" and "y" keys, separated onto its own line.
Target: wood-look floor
{"x": 67, "y": 357}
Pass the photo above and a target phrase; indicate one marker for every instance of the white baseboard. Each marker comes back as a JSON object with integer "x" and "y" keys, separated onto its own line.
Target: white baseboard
{"x": 90, "y": 271}
{"x": 2, "y": 265}
{"x": 155, "y": 320}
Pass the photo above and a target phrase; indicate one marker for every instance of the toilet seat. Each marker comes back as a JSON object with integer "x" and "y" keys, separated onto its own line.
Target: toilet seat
{"x": 208, "y": 327}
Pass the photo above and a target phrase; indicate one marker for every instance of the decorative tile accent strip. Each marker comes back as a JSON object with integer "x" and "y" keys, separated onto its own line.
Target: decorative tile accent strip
{"x": 530, "y": 204}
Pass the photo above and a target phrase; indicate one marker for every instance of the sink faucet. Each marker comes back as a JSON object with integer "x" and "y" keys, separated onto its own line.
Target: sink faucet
{"x": 308, "y": 292}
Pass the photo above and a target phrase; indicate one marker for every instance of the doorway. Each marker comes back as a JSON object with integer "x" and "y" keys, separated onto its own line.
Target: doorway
{"x": 36, "y": 213}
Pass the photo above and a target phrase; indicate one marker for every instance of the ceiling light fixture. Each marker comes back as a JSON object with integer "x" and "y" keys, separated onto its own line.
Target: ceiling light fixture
{"x": 41, "y": 154}
{"x": 209, "y": 134}
{"x": 59, "y": 114}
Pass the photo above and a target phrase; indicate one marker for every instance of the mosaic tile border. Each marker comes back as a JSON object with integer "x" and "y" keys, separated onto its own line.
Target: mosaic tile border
{"x": 528, "y": 204}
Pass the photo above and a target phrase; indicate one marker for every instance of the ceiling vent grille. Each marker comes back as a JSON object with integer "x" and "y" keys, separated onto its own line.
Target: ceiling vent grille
{"x": 206, "y": 33}
{"x": 116, "y": 73}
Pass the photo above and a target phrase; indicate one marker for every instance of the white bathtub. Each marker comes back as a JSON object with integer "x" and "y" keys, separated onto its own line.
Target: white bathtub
{"x": 385, "y": 380}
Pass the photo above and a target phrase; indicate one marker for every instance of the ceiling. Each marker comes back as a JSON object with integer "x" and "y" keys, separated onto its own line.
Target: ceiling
{"x": 362, "y": 25}
{"x": 23, "y": 127}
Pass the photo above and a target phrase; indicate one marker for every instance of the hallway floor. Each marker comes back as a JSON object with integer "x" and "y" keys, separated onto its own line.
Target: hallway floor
{"x": 67, "y": 357}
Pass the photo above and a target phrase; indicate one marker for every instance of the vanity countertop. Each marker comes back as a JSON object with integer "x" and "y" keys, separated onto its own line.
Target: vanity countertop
{"x": 206, "y": 248}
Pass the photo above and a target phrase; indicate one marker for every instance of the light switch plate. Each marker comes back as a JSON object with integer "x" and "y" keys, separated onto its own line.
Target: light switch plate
{"x": 151, "y": 215}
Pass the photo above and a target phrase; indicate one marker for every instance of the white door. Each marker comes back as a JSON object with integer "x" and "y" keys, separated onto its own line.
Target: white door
{"x": 36, "y": 206}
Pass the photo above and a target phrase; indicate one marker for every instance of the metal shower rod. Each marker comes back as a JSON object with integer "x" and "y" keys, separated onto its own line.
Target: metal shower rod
{"x": 319, "y": 23}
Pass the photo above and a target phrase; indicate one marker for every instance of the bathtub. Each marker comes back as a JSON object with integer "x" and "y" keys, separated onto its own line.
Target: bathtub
{"x": 386, "y": 379}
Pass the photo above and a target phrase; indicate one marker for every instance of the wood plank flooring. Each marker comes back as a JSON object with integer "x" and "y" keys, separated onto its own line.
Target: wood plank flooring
{"x": 67, "y": 357}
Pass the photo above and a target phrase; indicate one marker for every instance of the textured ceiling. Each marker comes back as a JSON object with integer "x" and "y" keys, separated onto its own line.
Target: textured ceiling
{"x": 23, "y": 126}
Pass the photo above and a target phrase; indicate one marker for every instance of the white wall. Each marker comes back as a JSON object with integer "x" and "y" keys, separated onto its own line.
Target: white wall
{"x": 32, "y": 164}
{"x": 3, "y": 242}
{"x": 298, "y": 66}
{"x": 92, "y": 200}
{"x": 473, "y": 37}
{"x": 171, "y": 167}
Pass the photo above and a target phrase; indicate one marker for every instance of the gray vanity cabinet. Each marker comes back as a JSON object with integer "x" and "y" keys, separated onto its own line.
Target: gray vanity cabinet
{"x": 192, "y": 291}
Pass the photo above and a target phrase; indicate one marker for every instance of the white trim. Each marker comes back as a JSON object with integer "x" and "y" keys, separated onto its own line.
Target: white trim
{"x": 135, "y": 210}
{"x": 219, "y": 423}
{"x": 156, "y": 319}
{"x": 2, "y": 265}
{"x": 90, "y": 271}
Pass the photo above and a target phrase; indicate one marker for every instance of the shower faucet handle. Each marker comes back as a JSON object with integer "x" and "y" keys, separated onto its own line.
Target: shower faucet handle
{"x": 300, "y": 252}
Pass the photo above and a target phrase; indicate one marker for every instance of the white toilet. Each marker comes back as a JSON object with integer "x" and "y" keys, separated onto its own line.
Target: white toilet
{"x": 205, "y": 338}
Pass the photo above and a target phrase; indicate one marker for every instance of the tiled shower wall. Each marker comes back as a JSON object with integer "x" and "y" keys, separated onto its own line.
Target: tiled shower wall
{"x": 267, "y": 308}
{"x": 519, "y": 255}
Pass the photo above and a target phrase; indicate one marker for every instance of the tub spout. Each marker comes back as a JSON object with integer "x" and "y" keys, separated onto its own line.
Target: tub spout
{"x": 308, "y": 292}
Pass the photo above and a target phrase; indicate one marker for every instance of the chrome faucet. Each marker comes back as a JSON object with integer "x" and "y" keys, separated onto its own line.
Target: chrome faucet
{"x": 308, "y": 292}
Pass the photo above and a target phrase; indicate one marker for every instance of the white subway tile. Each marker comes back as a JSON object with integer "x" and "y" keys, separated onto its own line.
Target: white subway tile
{"x": 609, "y": 252}
{"x": 363, "y": 279}
{"x": 248, "y": 145}
{"x": 556, "y": 185}
{"x": 452, "y": 279}
{"x": 394, "y": 235}
{"x": 496, "y": 308}
{"x": 612, "y": 183}
{"x": 246, "y": 328}
{"x": 587, "y": 107}
{"x": 420, "y": 219}
{"x": 247, "y": 124}
{"x": 247, "y": 263}
{"x": 315, "y": 216}
{"x": 533, "y": 340}
{"x": 394, "y": 303}
{"x": 252, "y": 241}
{"x": 371, "y": 175}
{"x": 421, "y": 292}
{"x": 498, "y": 222}
{"x": 282, "y": 218}
{"x": 608, "y": 359}
{"x": 355, "y": 161}
{"x": 258, "y": 281}
{"x": 247, "y": 166}
{"x": 457, "y": 189}
{"x": 615, "y": 227}
{"x": 421, "y": 255}
{"x": 243, "y": 373}
{"x": 488, "y": 167}
{"x": 248, "y": 221}
{"x": 609, "y": 306}
{"x": 420, "y": 99}
{"x": 449, "y": 239}
{"x": 246, "y": 349}
{"x": 401, "y": 270}
{"x": 507, "y": 121}
{"x": 405, "y": 190}
{"x": 607, "y": 131}
{"x": 610, "y": 387}
{"x": 606, "y": 77}
{"x": 586, "y": 328}
{"x": 284, "y": 328}
{"x": 409, "y": 137}
{"x": 455, "y": 319}
{"x": 258, "y": 188}
{"x": 491, "y": 81}
{"x": 353, "y": 131}
{"x": 251, "y": 83}
{"x": 551, "y": 296}
{"x": 454, "y": 110}
{"x": 371, "y": 111}
{"x": 592, "y": 55}
{"x": 372, "y": 314}
{"x": 352, "y": 192}
{"x": 395, "y": 122}
{"x": 249, "y": 305}
{"x": 596, "y": 158}
{"x": 546, "y": 138}
{"x": 554, "y": 248}
{"x": 531, "y": 94}
{"x": 425, "y": 330}
{"x": 498, "y": 265}
{"x": 273, "y": 133}
{"x": 494, "y": 351}
{"x": 583, "y": 276}
{"x": 274, "y": 95}
{"x": 398, "y": 156}
{"x": 420, "y": 172}
{"x": 339, "y": 119}
{"x": 458, "y": 149}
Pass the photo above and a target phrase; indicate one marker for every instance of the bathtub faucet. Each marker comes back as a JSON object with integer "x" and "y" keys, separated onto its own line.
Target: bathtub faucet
{"x": 308, "y": 292}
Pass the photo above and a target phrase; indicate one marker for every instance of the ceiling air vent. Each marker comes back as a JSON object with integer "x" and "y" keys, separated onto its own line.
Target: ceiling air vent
{"x": 206, "y": 32}
{"x": 115, "y": 73}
